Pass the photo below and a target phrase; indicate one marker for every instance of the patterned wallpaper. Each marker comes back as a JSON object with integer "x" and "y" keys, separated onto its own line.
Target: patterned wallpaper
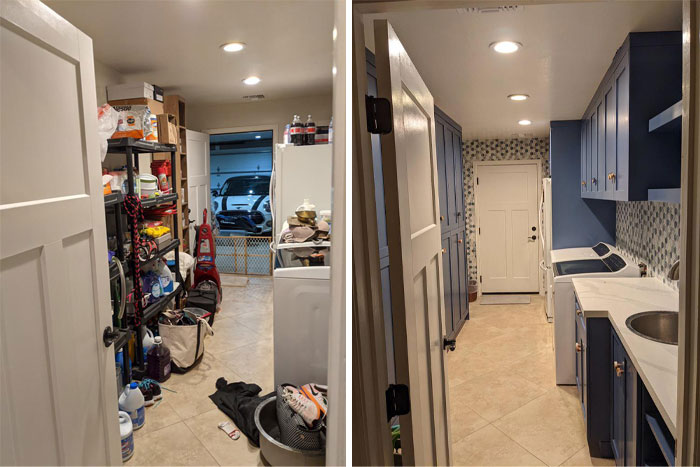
{"x": 495, "y": 150}
{"x": 650, "y": 232}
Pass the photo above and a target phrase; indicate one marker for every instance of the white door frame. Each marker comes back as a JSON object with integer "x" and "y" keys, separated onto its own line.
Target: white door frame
{"x": 245, "y": 129}
{"x": 478, "y": 164}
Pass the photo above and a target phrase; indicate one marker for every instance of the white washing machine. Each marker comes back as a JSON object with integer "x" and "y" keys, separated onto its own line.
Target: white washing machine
{"x": 600, "y": 250}
{"x": 610, "y": 266}
{"x": 301, "y": 299}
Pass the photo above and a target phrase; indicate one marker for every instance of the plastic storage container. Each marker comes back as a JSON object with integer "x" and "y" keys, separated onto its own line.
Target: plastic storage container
{"x": 131, "y": 401}
{"x": 126, "y": 429}
{"x": 158, "y": 359}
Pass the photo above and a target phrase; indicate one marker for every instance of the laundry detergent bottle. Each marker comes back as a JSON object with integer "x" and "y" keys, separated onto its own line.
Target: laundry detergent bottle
{"x": 158, "y": 361}
{"x": 126, "y": 430}
{"x": 131, "y": 401}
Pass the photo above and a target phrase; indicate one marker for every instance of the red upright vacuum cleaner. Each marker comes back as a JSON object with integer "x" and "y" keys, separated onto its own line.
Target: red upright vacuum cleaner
{"x": 206, "y": 276}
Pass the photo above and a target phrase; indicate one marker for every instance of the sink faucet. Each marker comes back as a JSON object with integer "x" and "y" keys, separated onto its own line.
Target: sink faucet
{"x": 675, "y": 273}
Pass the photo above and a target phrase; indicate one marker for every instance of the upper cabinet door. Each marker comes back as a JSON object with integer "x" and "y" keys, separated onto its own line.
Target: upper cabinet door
{"x": 610, "y": 101}
{"x": 593, "y": 159}
{"x": 596, "y": 180}
{"x": 449, "y": 179}
{"x": 442, "y": 172}
{"x": 459, "y": 178}
{"x": 620, "y": 176}
{"x": 584, "y": 154}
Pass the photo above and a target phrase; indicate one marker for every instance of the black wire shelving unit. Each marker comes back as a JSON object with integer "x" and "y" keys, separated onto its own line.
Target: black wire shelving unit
{"x": 131, "y": 147}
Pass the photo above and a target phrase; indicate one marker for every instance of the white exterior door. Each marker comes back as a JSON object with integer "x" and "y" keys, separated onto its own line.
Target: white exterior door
{"x": 508, "y": 248}
{"x": 198, "y": 179}
{"x": 57, "y": 379}
{"x": 410, "y": 190}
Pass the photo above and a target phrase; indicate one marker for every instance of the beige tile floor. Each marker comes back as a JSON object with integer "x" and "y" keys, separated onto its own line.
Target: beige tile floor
{"x": 182, "y": 429}
{"x": 505, "y": 406}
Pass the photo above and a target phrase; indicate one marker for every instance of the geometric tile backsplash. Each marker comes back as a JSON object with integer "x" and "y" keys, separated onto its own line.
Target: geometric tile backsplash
{"x": 494, "y": 150}
{"x": 650, "y": 232}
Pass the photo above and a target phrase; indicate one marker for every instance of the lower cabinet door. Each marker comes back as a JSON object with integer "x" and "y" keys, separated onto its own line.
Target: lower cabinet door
{"x": 447, "y": 285}
{"x": 631, "y": 413}
{"x": 463, "y": 278}
{"x": 618, "y": 399}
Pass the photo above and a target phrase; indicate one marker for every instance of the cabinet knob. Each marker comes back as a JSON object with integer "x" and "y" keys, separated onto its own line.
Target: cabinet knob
{"x": 611, "y": 176}
{"x": 459, "y": 241}
{"x": 442, "y": 218}
{"x": 578, "y": 347}
{"x": 579, "y": 312}
{"x": 444, "y": 250}
{"x": 619, "y": 368}
{"x": 583, "y": 183}
{"x": 594, "y": 181}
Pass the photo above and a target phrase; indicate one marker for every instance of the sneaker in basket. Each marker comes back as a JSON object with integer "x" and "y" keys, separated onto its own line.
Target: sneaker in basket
{"x": 305, "y": 407}
{"x": 317, "y": 394}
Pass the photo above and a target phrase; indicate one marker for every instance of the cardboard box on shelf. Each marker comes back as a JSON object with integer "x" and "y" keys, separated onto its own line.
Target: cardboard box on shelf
{"x": 167, "y": 129}
{"x": 155, "y": 106}
{"x": 134, "y": 91}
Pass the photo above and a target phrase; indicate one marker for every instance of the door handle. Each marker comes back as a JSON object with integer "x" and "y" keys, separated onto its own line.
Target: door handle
{"x": 109, "y": 336}
{"x": 533, "y": 238}
{"x": 449, "y": 344}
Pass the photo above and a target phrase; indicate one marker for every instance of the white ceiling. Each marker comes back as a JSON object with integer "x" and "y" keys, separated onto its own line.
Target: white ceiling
{"x": 175, "y": 44}
{"x": 566, "y": 50}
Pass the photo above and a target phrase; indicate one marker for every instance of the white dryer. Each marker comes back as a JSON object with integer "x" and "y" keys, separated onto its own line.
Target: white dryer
{"x": 302, "y": 298}
{"x": 610, "y": 266}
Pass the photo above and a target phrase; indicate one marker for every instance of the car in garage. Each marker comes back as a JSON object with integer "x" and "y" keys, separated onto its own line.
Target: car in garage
{"x": 242, "y": 205}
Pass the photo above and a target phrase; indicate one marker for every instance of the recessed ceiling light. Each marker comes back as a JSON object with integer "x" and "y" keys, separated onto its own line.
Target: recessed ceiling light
{"x": 518, "y": 97}
{"x": 258, "y": 136}
{"x": 505, "y": 47}
{"x": 233, "y": 46}
{"x": 525, "y": 122}
{"x": 251, "y": 80}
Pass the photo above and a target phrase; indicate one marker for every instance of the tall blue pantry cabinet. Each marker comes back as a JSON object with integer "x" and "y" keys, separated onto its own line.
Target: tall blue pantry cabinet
{"x": 451, "y": 191}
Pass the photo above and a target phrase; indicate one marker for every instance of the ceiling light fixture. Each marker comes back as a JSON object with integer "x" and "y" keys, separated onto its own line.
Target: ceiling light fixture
{"x": 258, "y": 136}
{"x": 525, "y": 122}
{"x": 505, "y": 47}
{"x": 518, "y": 97}
{"x": 233, "y": 46}
{"x": 251, "y": 80}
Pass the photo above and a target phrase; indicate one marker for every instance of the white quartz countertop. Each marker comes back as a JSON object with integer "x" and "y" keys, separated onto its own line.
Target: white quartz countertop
{"x": 656, "y": 363}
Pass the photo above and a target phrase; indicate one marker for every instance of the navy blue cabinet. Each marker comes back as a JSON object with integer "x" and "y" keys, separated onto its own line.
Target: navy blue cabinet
{"x": 448, "y": 146}
{"x": 618, "y": 400}
{"x": 620, "y": 159}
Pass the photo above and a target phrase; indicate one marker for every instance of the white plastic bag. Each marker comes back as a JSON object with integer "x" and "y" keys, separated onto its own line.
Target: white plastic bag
{"x": 107, "y": 120}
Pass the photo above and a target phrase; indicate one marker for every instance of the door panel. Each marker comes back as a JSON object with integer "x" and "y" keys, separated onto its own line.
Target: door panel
{"x": 584, "y": 154}
{"x": 618, "y": 402}
{"x": 458, "y": 179}
{"x": 443, "y": 174}
{"x": 447, "y": 284}
{"x": 507, "y": 206}
{"x": 462, "y": 259}
{"x": 610, "y": 142}
{"x": 198, "y": 177}
{"x": 449, "y": 179}
{"x": 622, "y": 94}
{"x": 410, "y": 189}
{"x": 597, "y": 183}
{"x": 593, "y": 159}
{"x": 454, "y": 281}
{"x": 56, "y": 376}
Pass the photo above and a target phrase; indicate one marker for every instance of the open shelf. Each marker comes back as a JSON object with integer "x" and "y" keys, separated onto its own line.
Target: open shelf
{"x": 668, "y": 120}
{"x": 122, "y": 340}
{"x": 114, "y": 271}
{"x": 113, "y": 199}
{"x": 155, "y": 308}
{"x": 291, "y": 246}
{"x": 162, "y": 252}
{"x": 120, "y": 145}
{"x": 158, "y": 200}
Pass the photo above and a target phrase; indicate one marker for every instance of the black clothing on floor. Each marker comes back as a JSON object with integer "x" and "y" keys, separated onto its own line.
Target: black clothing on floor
{"x": 239, "y": 401}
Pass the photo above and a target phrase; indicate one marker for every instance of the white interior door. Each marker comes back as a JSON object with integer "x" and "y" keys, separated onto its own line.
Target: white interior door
{"x": 506, "y": 198}
{"x": 198, "y": 178}
{"x": 410, "y": 190}
{"x": 57, "y": 379}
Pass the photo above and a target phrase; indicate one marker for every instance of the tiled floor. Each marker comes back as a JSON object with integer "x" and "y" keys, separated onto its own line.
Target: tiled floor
{"x": 506, "y": 408}
{"x": 182, "y": 429}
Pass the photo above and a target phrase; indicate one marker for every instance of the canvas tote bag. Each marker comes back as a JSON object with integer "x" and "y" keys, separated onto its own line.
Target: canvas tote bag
{"x": 185, "y": 341}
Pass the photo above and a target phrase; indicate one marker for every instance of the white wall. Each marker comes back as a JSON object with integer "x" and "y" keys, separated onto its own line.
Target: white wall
{"x": 202, "y": 117}
{"x": 105, "y": 76}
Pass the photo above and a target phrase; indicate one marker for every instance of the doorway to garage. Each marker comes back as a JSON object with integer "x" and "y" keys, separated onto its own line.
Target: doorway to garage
{"x": 241, "y": 167}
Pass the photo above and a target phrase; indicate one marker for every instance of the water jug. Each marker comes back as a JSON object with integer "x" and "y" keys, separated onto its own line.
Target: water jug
{"x": 131, "y": 401}
{"x": 159, "y": 361}
{"x": 126, "y": 429}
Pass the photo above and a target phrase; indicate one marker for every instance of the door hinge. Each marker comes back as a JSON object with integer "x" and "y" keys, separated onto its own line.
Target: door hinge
{"x": 477, "y": 180}
{"x": 398, "y": 401}
{"x": 480, "y": 279}
{"x": 379, "y": 118}
{"x": 479, "y": 230}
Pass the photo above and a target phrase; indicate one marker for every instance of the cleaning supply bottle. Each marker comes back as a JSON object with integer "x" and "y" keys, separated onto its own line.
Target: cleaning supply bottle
{"x": 131, "y": 401}
{"x": 148, "y": 341}
{"x": 126, "y": 430}
{"x": 159, "y": 361}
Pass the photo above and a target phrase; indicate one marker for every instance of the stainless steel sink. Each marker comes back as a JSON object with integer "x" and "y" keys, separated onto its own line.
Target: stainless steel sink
{"x": 659, "y": 326}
